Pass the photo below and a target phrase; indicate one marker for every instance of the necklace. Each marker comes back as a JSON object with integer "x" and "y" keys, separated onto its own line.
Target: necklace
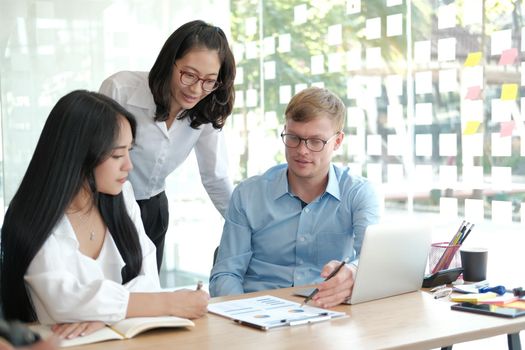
{"x": 83, "y": 222}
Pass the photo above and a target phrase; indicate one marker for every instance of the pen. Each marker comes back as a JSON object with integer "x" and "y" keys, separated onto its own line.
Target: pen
{"x": 441, "y": 293}
{"x": 466, "y": 234}
{"x": 316, "y": 290}
{"x": 199, "y": 285}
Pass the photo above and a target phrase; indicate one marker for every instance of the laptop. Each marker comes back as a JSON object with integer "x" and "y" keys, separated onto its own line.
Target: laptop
{"x": 393, "y": 261}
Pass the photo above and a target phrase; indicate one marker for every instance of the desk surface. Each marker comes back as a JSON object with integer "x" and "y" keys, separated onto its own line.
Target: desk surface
{"x": 408, "y": 321}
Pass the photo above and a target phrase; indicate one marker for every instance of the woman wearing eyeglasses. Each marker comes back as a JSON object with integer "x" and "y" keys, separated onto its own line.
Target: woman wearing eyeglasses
{"x": 180, "y": 105}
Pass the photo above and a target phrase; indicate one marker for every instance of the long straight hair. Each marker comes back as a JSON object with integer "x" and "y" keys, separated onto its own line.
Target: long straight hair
{"x": 218, "y": 104}
{"x": 79, "y": 134}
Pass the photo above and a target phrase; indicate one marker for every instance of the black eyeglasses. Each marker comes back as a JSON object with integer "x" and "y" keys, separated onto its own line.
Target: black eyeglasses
{"x": 314, "y": 144}
{"x": 188, "y": 79}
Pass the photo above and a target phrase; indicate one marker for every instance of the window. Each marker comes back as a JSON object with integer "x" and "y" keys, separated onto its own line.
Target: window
{"x": 433, "y": 90}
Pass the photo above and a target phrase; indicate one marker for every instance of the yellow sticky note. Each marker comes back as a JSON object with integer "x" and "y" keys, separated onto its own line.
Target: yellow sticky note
{"x": 472, "y": 298}
{"x": 509, "y": 91}
{"x": 471, "y": 127}
{"x": 473, "y": 59}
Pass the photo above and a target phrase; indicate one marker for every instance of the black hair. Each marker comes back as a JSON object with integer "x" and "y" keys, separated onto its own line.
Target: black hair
{"x": 78, "y": 135}
{"x": 218, "y": 104}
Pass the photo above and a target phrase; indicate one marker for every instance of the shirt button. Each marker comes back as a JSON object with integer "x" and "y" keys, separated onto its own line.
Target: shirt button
{"x": 307, "y": 210}
{"x": 300, "y": 262}
{"x": 302, "y": 239}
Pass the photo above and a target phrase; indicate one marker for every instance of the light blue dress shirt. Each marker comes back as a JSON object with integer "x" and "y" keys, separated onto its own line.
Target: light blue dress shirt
{"x": 270, "y": 241}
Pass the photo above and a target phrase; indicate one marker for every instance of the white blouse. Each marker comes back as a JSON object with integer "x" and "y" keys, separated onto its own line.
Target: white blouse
{"x": 68, "y": 286}
{"x": 158, "y": 151}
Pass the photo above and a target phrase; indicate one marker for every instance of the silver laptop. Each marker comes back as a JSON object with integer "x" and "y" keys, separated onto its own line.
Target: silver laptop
{"x": 392, "y": 261}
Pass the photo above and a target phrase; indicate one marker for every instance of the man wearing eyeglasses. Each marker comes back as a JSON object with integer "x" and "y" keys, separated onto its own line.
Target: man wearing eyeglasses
{"x": 293, "y": 224}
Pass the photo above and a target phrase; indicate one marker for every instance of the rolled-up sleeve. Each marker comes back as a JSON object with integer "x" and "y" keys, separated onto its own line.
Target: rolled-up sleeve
{"x": 234, "y": 253}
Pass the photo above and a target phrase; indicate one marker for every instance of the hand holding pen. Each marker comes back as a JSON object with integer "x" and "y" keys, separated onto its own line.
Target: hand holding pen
{"x": 199, "y": 285}
{"x": 332, "y": 274}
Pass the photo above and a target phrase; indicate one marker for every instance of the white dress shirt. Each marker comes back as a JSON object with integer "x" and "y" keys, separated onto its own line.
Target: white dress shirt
{"x": 158, "y": 151}
{"x": 68, "y": 286}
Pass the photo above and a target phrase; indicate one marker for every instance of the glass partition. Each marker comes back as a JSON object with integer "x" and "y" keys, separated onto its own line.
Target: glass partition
{"x": 433, "y": 90}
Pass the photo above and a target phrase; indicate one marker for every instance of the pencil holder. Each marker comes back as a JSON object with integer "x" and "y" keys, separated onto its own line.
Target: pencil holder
{"x": 443, "y": 256}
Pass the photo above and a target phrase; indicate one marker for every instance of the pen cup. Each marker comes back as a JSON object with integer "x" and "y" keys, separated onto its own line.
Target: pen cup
{"x": 443, "y": 256}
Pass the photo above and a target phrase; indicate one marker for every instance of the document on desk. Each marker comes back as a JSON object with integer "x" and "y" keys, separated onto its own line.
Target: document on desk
{"x": 267, "y": 312}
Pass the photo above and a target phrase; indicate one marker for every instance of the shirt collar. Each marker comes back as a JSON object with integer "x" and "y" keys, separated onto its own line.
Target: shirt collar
{"x": 281, "y": 186}
{"x": 333, "y": 184}
{"x": 143, "y": 100}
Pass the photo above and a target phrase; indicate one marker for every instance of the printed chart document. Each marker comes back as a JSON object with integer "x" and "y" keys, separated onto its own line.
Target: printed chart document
{"x": 125, "y": 329}
{"x": 266, "y": 312}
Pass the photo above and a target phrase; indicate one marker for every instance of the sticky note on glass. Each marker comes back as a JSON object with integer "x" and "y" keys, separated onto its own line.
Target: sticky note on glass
{"x": 471, "y": 127}
{"x": 446, "y": 16}
{"x": 335, "y": 61}
{"x": 448, "y": 207}
{"x": 473, "y": 93}
{"x": 269, "y": 70}
{"x": 448, "y": 145}
{"x": 506, "y": 128}
{"x": 285, "y": 43}
{"x": 335, "y": 34}
{"x": 500, "y": 41}
{"x": 373, "y": 28}
{"x": 353, "y": 6}
{"x": 300, "y": 14}
{"x": 508, "y": 56}
{"x": 317, "y": 64}
{"x": 473, "y": 59}
{"x": 446, "y": 49}
{"x": 501, "y": 177}
{"x": 500, "y": 146}
{"x": 502, "y": 213}
{"x": 509, "y": 91}
{"x": 473, "y": 176}
{"x": 394, "y": 25}
{"x": 422, "y": 50}
{"x": 474, "y": 210}
{"x": 394, "y": 173}
{"x": 473, "y": 145}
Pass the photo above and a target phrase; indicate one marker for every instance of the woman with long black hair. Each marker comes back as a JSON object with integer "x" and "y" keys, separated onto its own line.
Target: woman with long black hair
{"x": 73, "y": 245}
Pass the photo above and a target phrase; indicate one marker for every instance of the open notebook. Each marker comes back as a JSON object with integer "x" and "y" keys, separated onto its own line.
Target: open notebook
{"x": 392, "y": 261}
{"x": 124, "y": 329}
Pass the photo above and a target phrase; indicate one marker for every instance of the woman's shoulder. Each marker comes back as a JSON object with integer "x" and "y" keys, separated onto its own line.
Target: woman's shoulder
{"x": 127, "y": 78}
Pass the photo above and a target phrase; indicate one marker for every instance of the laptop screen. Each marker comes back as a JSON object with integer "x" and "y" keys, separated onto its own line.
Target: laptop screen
{"x": 392, "y": 261}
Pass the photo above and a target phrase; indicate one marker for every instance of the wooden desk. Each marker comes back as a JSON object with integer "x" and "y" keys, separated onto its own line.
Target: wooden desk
{"x": 409, "y": 321}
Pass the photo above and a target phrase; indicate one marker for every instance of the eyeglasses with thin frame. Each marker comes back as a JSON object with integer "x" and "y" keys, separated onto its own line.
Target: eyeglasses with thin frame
{"x": 314, "y": 144}
{"x": 189, "y": 79}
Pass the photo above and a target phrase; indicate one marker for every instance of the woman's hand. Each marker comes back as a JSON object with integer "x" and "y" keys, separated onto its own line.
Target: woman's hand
{"x": 188, "y": 303}
{"x": 73, "y": 330}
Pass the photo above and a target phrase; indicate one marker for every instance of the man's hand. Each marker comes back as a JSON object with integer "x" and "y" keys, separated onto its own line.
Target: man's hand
{"x": 338, "y": 288}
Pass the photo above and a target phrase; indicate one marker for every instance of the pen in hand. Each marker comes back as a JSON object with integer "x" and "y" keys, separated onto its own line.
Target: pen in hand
{"x": 316, "y": 290}
{"x": 199, "y": 285}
